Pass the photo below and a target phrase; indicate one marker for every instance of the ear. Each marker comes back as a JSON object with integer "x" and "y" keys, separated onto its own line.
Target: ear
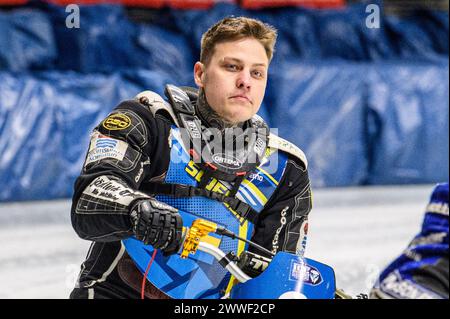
{"x": 199, "y": 72}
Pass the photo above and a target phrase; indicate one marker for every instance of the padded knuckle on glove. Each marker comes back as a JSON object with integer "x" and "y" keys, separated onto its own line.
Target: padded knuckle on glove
{"x": 158, "y": 226}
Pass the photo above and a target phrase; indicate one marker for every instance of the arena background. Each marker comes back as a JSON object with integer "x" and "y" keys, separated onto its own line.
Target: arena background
{"x": 365, "y": 98}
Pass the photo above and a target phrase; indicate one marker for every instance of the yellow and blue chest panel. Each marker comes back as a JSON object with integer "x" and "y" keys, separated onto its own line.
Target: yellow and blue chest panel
{"x": 201, "y": 276}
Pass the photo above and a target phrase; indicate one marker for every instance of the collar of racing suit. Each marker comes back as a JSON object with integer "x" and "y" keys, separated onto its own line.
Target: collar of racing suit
{"x": 209, "y": 117}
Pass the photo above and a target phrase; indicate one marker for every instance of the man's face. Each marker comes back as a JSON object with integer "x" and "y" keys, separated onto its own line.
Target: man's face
{"x": 235, "y": 79}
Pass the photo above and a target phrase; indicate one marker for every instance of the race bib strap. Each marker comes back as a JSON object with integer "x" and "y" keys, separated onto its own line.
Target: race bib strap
{"x": 243, "y": 209}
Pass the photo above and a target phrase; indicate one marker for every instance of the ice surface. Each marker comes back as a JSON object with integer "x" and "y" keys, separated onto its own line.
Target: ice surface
{"x": 357, "y": 231}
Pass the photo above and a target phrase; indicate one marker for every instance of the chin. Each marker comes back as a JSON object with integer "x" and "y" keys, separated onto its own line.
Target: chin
{"x": 241, "y": 116}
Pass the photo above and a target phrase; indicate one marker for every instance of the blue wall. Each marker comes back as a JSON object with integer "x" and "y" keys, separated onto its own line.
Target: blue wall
{"x": 368, "y": 106}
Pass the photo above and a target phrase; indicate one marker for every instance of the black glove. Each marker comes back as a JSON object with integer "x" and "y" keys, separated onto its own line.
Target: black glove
{"x": 157, "y": 224}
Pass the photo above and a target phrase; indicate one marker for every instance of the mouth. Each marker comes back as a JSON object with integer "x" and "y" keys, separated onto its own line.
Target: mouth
{"x": 242, "y": 98}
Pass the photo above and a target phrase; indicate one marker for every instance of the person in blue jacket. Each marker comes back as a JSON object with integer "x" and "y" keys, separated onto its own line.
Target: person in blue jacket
{"x": 421, "y": 272}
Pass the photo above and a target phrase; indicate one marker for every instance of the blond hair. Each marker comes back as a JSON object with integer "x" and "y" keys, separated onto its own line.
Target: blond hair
{"x": 236, "y": 28}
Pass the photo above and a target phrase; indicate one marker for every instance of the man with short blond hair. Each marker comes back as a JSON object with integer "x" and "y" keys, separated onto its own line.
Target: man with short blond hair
{"x": 155, "y": 163}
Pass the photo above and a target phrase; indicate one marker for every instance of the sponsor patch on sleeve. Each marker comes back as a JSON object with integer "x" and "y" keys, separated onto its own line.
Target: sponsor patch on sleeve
{"x": 105, "y": 147}
{"x": 117, "y": 121}
{"x": 109, "y": 189}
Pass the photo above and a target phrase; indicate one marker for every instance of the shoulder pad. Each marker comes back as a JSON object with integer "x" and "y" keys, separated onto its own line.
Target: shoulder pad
{"x": 288, "y": 147}
{"x": 258, "y": 122}
{"x": 179, "y": 99}
{"x": 156, "y": 104}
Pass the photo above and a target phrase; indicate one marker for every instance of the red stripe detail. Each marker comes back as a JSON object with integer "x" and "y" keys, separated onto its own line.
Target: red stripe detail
{"x": 212, "y": 166}
{"x": 146, "y": 273}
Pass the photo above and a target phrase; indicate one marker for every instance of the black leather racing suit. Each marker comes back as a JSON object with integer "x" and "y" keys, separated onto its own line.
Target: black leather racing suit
{"x": 108, "y": 272}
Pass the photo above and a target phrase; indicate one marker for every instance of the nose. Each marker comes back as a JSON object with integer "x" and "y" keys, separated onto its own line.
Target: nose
{"x": 243, "y": 80}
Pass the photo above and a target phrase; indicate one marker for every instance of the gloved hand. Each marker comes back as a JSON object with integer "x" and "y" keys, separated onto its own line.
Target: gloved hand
{"x": 157, "y": 224}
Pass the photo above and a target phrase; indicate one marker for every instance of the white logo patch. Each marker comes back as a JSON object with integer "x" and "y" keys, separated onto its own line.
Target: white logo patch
{"x": 102, "y": 147}
{"x": 108, "y": 189}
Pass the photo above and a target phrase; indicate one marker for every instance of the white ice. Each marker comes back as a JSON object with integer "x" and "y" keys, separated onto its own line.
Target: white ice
{"x": 357, "y": 231}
